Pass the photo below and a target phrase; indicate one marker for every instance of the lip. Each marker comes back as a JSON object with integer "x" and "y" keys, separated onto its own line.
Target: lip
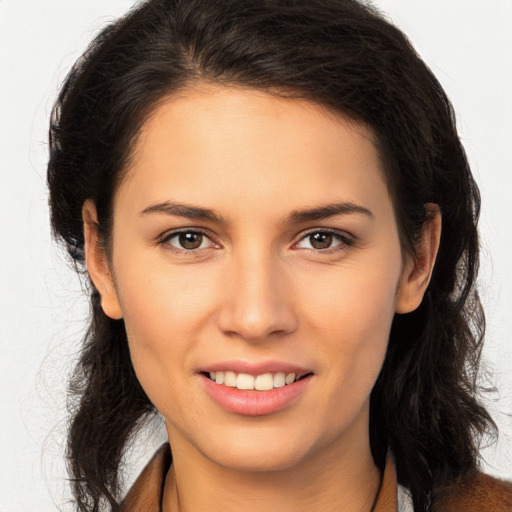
{"x": 255, "y": 368}
{"x": 254, "y": 402}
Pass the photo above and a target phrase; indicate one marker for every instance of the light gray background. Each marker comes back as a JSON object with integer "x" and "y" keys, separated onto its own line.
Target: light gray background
{"x": 467, "y": 43}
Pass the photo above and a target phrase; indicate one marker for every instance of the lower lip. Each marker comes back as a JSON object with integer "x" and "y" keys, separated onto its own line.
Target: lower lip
{"x": 252, "y": 402}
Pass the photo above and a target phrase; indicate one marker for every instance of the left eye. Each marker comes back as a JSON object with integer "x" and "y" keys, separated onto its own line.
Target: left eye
{"x": 189, "y": 240}
{"x": 321, "y": 240}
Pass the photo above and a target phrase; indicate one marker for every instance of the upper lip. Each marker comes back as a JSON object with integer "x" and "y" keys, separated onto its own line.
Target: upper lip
{"x": 255, "y": 368}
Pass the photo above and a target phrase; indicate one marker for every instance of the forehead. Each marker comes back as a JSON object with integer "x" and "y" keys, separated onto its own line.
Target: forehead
{"x": 216, "y": 143}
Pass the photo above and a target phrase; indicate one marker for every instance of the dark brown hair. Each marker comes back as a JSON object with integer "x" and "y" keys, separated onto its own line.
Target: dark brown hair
{"x": 341, "y": 54}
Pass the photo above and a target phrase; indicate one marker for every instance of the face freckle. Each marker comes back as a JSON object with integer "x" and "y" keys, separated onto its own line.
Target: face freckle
{"x": 256, "y": 230}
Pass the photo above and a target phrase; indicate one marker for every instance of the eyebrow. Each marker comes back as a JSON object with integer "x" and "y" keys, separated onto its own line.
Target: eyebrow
{"x": 184, "y": 210}
{"x": 326, "y": 211}
{"x": 295, "y": 217}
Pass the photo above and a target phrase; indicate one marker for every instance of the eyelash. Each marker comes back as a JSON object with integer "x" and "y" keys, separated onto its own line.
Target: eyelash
{"x": 165, "y": 239}
{"x": 345, "y": 240}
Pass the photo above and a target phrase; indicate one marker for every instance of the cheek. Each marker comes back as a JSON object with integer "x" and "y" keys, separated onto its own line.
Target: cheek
{"x": 358, "y": 304}
{"x": 352, "y": 321}
{"x": 159, "y": 300}
{"x": 164, "y": 312}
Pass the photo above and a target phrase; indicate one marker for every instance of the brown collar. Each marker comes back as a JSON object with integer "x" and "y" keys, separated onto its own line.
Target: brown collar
{"x": 147, "y": 491}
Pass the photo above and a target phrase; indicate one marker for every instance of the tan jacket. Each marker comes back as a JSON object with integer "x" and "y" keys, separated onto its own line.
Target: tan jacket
{"x": 479, "y": 493}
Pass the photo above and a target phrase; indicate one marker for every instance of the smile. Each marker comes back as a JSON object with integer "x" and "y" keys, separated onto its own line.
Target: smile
{"x": 262, "y": 382}
{"x": 250, "y": 401}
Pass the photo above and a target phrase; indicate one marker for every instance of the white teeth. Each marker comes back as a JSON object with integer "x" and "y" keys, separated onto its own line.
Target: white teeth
{"x": 279, "y": 379}
{"x": 244, "y": 381}
{"x": 230, "y": 379}
{"x": 263, "y": 382}
{"x": 290, "y": 378}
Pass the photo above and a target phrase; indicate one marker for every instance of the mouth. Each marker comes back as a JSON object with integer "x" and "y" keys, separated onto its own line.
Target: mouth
{"x": 262, "y": 382}
{"x": 256, "y": 388}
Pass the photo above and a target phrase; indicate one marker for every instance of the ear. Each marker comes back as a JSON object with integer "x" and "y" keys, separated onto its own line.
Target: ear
{"x": 97, "y": 263}
{"x": 418, "y": 267}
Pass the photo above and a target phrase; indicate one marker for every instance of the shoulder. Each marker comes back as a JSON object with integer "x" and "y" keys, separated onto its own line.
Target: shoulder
{"x": 477, "y": 492}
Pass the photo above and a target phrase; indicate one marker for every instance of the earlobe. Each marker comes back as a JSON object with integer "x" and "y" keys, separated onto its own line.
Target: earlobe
{"x": 97, "y": 263}
{"x": 418, "y": 268}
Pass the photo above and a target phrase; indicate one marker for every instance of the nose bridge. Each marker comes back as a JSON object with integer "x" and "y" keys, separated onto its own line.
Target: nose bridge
{"x": 257, "y": 300}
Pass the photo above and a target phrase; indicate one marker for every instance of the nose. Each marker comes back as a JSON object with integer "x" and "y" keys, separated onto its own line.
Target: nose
{"x": 257, "y": 303}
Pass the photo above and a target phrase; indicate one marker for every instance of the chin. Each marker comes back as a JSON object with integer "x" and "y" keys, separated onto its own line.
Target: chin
{"x": 243, "y": 451}
{"x": 256, "y": 460}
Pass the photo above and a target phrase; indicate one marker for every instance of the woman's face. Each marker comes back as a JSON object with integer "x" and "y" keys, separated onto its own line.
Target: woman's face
{"x": 255, "y": 235}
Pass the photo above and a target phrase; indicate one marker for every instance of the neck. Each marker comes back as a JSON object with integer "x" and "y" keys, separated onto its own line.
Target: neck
{"x": 341, "y": 476}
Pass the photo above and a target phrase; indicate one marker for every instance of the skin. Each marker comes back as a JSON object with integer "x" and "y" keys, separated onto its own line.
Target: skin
{"x": 257, "y": 288}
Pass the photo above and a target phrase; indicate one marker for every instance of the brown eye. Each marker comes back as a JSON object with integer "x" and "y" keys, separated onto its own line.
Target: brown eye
{"x": 320, "y": 240}
{"x": 325, "y": 240}
{"x": 190, "y": 240}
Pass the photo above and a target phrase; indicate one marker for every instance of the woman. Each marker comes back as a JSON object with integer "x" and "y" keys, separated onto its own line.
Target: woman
{"x": 279, "y": 225}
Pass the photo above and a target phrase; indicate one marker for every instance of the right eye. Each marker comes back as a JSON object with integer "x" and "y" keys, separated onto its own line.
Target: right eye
{"x": 187, "y": 241}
